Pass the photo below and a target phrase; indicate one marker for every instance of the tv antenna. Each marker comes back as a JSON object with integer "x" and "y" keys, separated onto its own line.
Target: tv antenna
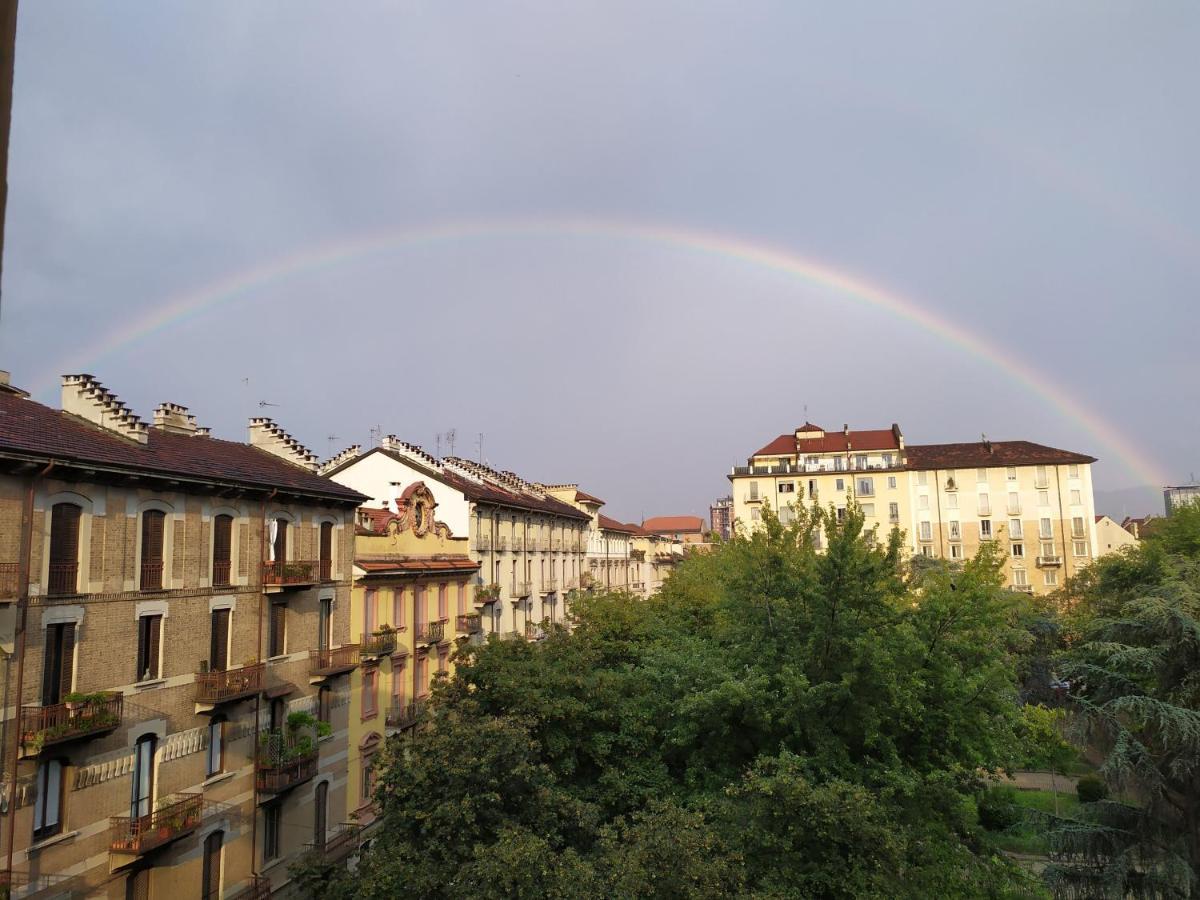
{"x": 479, "y": 445}
{"x": 262, "y": 403}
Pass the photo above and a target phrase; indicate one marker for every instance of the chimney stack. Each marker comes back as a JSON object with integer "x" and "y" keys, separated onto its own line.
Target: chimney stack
{"x": 266, "y": 435}
{"x": 175, "y": 419}
{"x": 87, "y": 398}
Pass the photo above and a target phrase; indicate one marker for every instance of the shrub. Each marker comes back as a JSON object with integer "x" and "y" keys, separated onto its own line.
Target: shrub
{"x": 998, "y": 808}
{"x": 1091, "y": 789}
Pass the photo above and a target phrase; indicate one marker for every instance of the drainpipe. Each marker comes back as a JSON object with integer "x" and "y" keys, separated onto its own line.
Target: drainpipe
{"x": 23, "y": 564}
{"x": 1062, "y": 524}
{"x": 262, "y": 595}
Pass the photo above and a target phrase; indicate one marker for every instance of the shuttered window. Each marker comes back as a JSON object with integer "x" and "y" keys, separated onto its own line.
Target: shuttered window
{"x": 326, "y": 551}
{"x": 270, "y": 831}
{"x": 325, "y": 625}
{"x": 320, "y": 814}
{"x": 222, "y": 550}
{"x": 210, "y": 887}
{"x": 137, "y": 885}
{"x": 216, "y": 746}
{"x": 278, "y": 630}
{"x": 153, "y": 522}
{"x": 47, "y": 807}
{"x": 143, "y": 777}
{"x": 218, "y": 651}
{"x": 58, "y": 670}
{"x": 281, "y": 536}
{"x": 149, "y": 641}
{"x": 64, "y": 549}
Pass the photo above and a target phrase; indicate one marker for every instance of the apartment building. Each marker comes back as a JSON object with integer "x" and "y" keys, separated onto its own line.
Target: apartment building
{"x": 1180, "y": 495}
{"x": 530, "y": 546}
{"x": 654, "y": 557}
{"x": 720, "y": 515}
{"x": 413, "y": 597}
{"x": 1111, "y": 537}
{"x": 167, "y": 601}
{"x": 946, "y": 498}
{"x": 683, "y": 529}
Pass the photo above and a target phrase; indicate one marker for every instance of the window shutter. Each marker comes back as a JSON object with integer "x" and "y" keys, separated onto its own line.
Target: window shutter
{"x": 67, "y": 660}
{"x": 50, "y": 667}
{"x": 326, "y": 540}
{"x": 154, "y": 626}
{"x": 278, "y": 624}
{"x": 152, "y": 535}
{"x": 211, "y": 888}
{"x": 64, "y": 533}
{"x": 218, "y": 654}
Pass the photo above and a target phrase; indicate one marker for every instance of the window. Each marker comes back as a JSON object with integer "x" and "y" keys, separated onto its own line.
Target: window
{"x": 866, "y": 487}
{"x": 754, "y": 490}
{"x": 442, "y": 653}
{"x": 64, "y": 549}
{"x": 1015, "y": 529}
{"x": 1073, "y": 471}
{"x": 951, "y": 501}
{"x": 398, "y": 606}
{"x": 1020, "y": 577}
{"x": 270, "y": 831}
{"x": 786, "y": 515}
{"x": 840, "y": 484}
{"x": 1077, "y": 527}
{"x": 1048, "y": 549}
{"x": 216, "y": 746}
{"x": 58, "y": 668}
{"x": 787, "y": 487}
{"x": 325, "y": 624}
{"x": 956, "y": 551}
{"x": 860, "y": 461}
{"x": 868, "y": 509}
{"x": 985, "y": 505}
{"x": 1043, "y": 498}
{"x": 812, "y": 488}
{"x": 422, "y": 675}
{"x": 1014, "y": 502}
{"x": 47, "y": 807}
{"x": 926, "y": 531}
{"x": 1076, "y": 497}
{"x": 370, "y": 693}
{"x": 892, "y": 482}
{"x": 218, "y": 643}
{"x": 444, "y": 606}
{"x": 755, "y": 516}
{"x": 923, "y": 501}
{"x": 1018, "y": 550}
{"x": 149, "y": 643}
{"x": 955, "y": 530}
{"x": 222, "y": 550}
{"x": 277, "y": 630}
{"x": 985, "y": 529}
{"x": 841, "y": 514}
{"x": 142, "y": 800}
{"x": 887, "y": 460}
{"x": 153, "y": 525}
{"x": 370, "y": 619}
{"x": 324, "y": 698}
{"x": 894, "y": 513}
{"x": 1051, "y": 578}
{"x": 460, "y": 589}
{"x": 1011, "y": 473}
{"x": 137, "y": 885}
{"x": 981, "y": 476}
{"x": 321, "y": 813}
{"x": 210, "y": 875}
{"x": 926, "y": 550}
{"x": 922, "y": 478}
{"x": 1045, "y": 528}
{"x": 839, "y": 464}
{"x": 1079, "y": 548}
{"x": 279, "y": 540}
{"x": 366, "y": 783}
{"x": 1042, "y": 477}
{"x": 326, "y": 551}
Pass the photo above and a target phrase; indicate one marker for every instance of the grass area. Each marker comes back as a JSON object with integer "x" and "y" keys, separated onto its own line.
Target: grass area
{"x": 1027, "y": 837}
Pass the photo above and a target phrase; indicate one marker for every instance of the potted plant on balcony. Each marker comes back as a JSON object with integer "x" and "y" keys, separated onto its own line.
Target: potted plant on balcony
{"x": 488, "y": 592}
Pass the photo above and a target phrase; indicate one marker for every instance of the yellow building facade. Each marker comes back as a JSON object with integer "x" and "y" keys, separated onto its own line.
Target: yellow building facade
{"x": 413, "y": 598}
{"x": 947, "y": 499}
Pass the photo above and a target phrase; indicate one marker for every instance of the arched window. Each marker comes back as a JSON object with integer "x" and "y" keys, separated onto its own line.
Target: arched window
{"x": 153, "y": 535}
{"x": 64, "y": 549}
{"x": 222, "y": 551}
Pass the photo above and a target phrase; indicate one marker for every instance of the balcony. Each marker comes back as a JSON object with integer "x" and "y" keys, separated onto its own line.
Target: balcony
{"x": 534, "y": 632}
{"x": 336, "y": 661}
{"x": 518, "y": 544}
{"x": 753, "y": 498}
{"x": 550, "y": 585}
{"x": 231, "y": 684}
{"x": 1014, "y": 510}
{"x": 1023, "y": 588}
{"x": 63, "y": 579}
{"x": 89, "y": 716}
{"x": 259, "y": 888}
{"x": 571, "y": 584}
{"x": 280, "y": 765}
{"x": 290, "y": 573}
{"x": 151, "y": 578}
{"x": 487, "y": 593}
{"x": 137, "y": 836}
{"x": 483, "y": 542}
{"x": 380, "y": 643}
{"x": 404, "y": 715}
{"x": 556, "y": 545}
{"x": 637, "y": 586}
{"x": 338, "y": 846}
{"x": 9, "y": 578}
{"x": 502, "y": 544}
{"x": 519, "y": 590}
{"x": 470, "y": 623}
{"x": 326, "y": 569}
{"x": 221, "y": 572}
{"x": 1049, "y": 562}
{"x": 431, "y": 632}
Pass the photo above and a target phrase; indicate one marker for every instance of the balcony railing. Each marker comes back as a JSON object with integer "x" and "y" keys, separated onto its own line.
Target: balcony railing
{"x": 43, "y": 726}
{"x": 520, "y": 589}
{"x": 571, "y": 584}
{"x": 470, "y": 623}
{"x": 259, "y": 888}
{"x": 289, "y": 572}
{"x": 63, "y": 578}
{"x": 556, "y": 545}
{"x": 152, "y": 576}
{"x": 637, "y": 585}
{"x": 9, "y": 572}
{"x": 337, "y": 846}
{"x": 534, "y": 632}
{"x": 138, "y": 835}
{"x": 518, "y": 544}
{"x": 333, "y": 661}
{"x": 1014, "y": 509}
{"x": 431, "y": 632}
{"x": 483, "y": 542}
{"x": 380, "y": 644}
{"x": 550, "y": 585}
{"x": 326, "y": 569}
{"x": 231, "y": 684}
{"x": 502, "y": 544}
{"x": 1049, "y": 561}
{"x": 221, "y": 572}
{"x": 404, "y": 715}
{"x": 279, "y": 767}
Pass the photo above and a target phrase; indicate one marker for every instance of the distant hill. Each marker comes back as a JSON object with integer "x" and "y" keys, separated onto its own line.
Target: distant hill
{"x": 1134, "y": 501}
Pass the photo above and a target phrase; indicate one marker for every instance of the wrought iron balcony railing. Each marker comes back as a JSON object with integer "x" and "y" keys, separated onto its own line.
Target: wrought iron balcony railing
{"x": 337, "y": 846}
{"x": 470, "y": 623}
{"x": 152, "y": 576}
{"x": 379, "y": 644}
{"x": 44, "y": 726}
{"x": 404, "y": 715}
{"x": 431, "y": 632}
{"x": 138, "y": 835}
{"x": 63, "y": 579}
{"x": 259, "y": 888}
{"x": 333, "y": 661}
{"x": 280, "y": 766}
{"x": 290, "y": 572}
{"x": 230, "y": 684}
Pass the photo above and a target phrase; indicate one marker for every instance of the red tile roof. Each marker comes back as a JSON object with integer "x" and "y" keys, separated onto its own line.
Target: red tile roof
{"x": 584, "y": 497}
{"x": 832, "y": 442}
{"x": 417, "y": 565}
{"x": 490, "y": 493}
{"x": 608, "y": 524}
{"x": 30, "y": 430}
{"x": 995, "y": 453}
{"x": 783, "y": 445}
{"x": 664, "y": 524}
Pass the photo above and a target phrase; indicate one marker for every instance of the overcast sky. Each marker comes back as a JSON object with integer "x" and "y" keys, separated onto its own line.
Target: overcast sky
{"x": 1026, "y": 171}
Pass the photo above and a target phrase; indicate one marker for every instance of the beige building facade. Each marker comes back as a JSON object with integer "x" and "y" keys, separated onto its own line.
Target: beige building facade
{"x": 947, "y": 499}
{"x": 1111, "y": 537}
{"x": 164, "y": 600}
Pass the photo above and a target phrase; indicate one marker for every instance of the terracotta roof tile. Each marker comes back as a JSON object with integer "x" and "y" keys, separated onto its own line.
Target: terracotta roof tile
{"x": 832, "y": 442}
{"x": 411, "y": 564}
{"x": 32, "y": 430}
{"x": 660, "y": 524}
{"x": 995, "y": 453}
{"x": 613, "y": 525}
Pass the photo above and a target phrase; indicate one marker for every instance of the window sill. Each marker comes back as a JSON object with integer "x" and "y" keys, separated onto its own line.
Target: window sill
{"x": 149, "y": 684}
{"x": 282, "y": 657}
{"x": 217, "y": 779}
{"x": 51, "y": 841}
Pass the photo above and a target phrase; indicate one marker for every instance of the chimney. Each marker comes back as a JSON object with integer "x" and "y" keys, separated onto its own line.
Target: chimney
{"x": 898, "y": 435}
{"x": 87, "y": 398}
{"x": 846, "y": 430}
{"x": 346, "y": 455}
{"x": 266, "y": 435}
{"x": 175, "y": 419}
{"x": 987, "y": 445}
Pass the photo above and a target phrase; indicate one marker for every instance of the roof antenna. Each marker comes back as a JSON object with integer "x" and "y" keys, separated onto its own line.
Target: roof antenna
{"x": 331, "y": 438}
{"x": 262, "y": 403}
{"x": 479, "y": 444}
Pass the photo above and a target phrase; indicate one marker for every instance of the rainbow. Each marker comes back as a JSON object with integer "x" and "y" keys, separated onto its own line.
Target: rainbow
{"x": 191, "y": 304}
